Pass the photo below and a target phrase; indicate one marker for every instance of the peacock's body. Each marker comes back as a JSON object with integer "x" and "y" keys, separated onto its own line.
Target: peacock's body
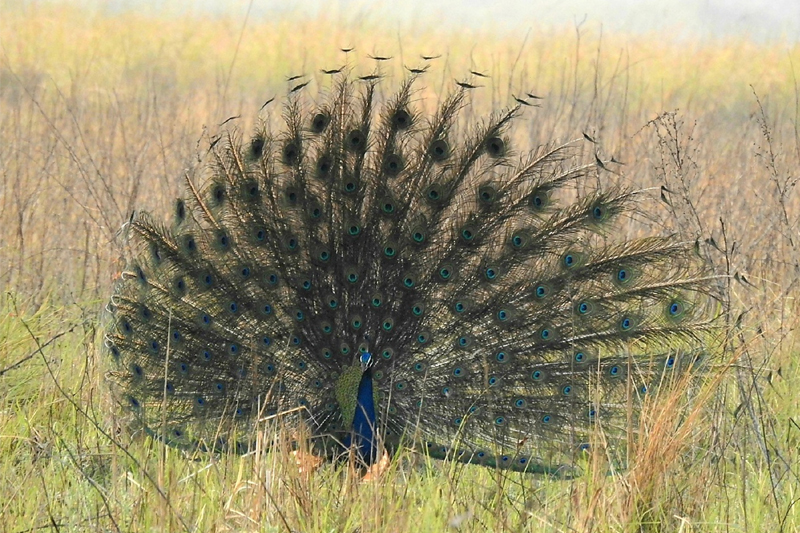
{"x": 389, "y": 280}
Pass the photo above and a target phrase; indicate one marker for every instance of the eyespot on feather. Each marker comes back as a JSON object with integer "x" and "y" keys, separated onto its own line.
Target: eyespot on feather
{"x": 439, "y": 150}
{"x": 495, "y": 147}
{"x": 320, "y": 122}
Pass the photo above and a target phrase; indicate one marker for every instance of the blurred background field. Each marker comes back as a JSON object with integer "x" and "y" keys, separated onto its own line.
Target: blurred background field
{"x": 104, "y": 107}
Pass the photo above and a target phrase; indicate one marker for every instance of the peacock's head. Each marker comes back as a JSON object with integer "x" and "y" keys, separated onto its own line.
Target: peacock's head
{"x": 366, "y": 361}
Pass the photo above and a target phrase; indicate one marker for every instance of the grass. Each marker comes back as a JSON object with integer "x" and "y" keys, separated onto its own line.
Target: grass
{"x": 100, "y": 114}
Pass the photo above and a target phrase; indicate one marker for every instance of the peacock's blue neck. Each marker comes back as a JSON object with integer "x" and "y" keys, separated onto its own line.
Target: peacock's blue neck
{"x": 364, "y": 419}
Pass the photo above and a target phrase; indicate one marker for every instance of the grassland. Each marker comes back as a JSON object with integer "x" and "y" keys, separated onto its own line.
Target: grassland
{"x": 100, "y": 114}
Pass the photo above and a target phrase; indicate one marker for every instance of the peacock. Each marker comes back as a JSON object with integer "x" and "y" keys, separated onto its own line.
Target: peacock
{"x": 388, "y": 278}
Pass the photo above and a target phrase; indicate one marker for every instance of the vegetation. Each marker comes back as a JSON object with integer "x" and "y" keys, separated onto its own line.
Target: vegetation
{"x": 102, "y": 113}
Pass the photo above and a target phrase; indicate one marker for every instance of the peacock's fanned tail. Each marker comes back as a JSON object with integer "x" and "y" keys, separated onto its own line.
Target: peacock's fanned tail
{"x": 502, "y": 319}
